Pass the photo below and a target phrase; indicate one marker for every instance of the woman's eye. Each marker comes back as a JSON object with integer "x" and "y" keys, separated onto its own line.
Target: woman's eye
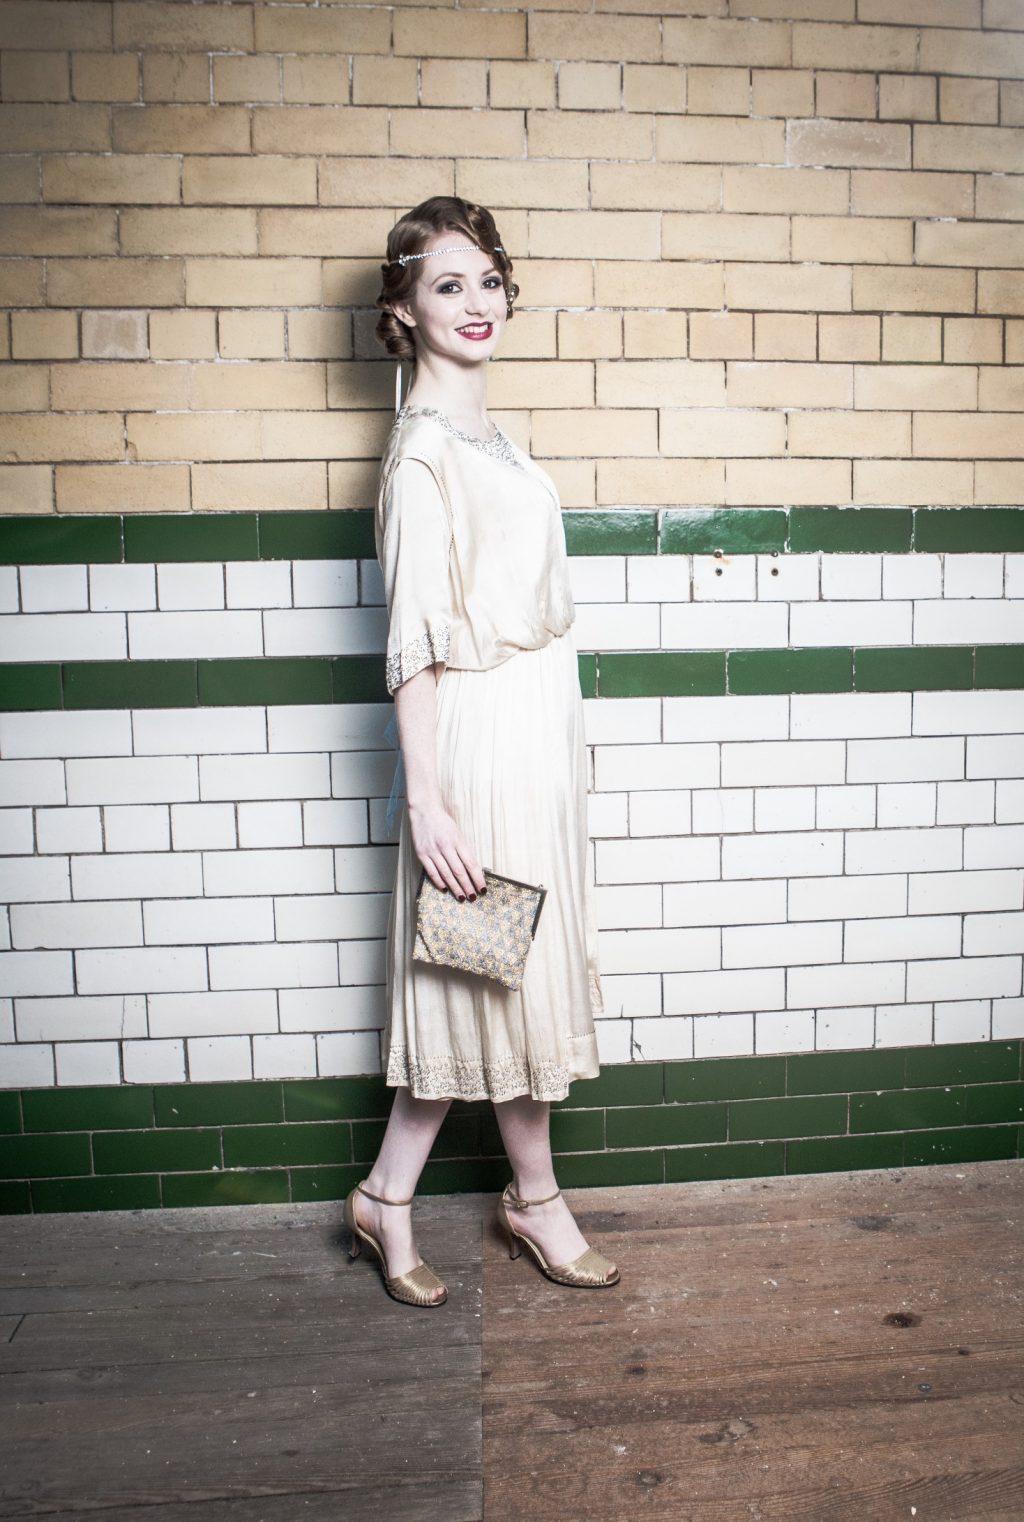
{"x": 449, "y": 286}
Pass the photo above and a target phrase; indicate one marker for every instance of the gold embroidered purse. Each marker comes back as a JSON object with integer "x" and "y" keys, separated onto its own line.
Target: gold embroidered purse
{"x": 490, "y": 936}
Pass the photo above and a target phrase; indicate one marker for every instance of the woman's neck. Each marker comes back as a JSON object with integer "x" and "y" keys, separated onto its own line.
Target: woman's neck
{"x": 461, "y": 396}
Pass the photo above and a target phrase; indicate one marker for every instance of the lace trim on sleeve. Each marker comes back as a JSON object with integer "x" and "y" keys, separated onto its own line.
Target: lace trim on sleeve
{"x": 432, "y": 646}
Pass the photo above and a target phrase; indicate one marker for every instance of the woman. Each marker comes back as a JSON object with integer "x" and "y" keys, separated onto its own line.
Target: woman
{"x": 490, "y": 721}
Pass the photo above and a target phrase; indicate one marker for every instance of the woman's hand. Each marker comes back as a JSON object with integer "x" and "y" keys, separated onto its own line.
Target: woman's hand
{"x": 444, "y": 853}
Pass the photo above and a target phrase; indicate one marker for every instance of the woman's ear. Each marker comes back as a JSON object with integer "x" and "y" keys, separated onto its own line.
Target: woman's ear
{"x": 403, "y": 312}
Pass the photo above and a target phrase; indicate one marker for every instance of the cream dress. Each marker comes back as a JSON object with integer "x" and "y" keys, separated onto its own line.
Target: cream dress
{"x": 470, "y": 540}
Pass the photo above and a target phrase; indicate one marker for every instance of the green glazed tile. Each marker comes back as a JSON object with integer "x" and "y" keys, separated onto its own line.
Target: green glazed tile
{"x": 217, "y": 1104}
{"x": 906, "y": 1109}
{"x": 181, "y": 1190}
{"x": 470, "y": 1175}
{"x": 921, "y": 668}
{"x": 967, "y": 1062}
{"x": 843, "y": 1072}
{"x": 367, "y": 1136}
{"x": 324, "y": 1183}
{"x": 29, "y": 687}
{"x": 459, "y": 1136}
{"x": 24, "y": 1157}
{"x": 155, "y": 1151}
{"x": 970, "y": 529}
{"x": 594, "y": 1170}
{"x": 10, "y": 1110}
{"x": 736, "y": 1160}
{"x": 130, "y": 684}
{"x": 298, "y": 1144}
{"x": 101, "y": 1109}
{"x": 616, "y": 532}
{"x": 323, "y": 535}
{"x": 662, "y": 673}
{"x": 666, "y": 1125}
{"x": 577, "y": 1130}
{"x": 273, "y": 679}
{"x": 60, "y": 540}
{"x": 990, "y": 1103}
{"x": 588, "y": 675}
{"x": 761, "y": 671}
{"x": 856, "y": 529}
{"x": 622, "y": 1083}
{"x": 134, "y": 1192}
{"x": 359, "y": 679}
{"x": 191, "y": 536}
{"x": 840, "y": 1154}
{"x": 999, "y": 666}
{"x": 337, "y": 1098}
{"x": 965, "y": 1144}
{"x": 15, "y": 1198}
{"x": 753, "y": 1118}
{"x": 725, "y": 1078}
{"x": 733, "y": 530}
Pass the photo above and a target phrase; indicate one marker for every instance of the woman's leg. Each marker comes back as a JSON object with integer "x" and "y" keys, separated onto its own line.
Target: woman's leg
{"x": 526, "y": 1132}
{"x": 411, "y": 1129}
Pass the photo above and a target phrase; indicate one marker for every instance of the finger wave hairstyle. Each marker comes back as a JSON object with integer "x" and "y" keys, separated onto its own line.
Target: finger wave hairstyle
{"x": 440, "y": 214}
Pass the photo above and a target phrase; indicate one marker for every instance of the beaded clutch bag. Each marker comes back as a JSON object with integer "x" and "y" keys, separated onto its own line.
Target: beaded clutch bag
{"x": 490, "y": 936}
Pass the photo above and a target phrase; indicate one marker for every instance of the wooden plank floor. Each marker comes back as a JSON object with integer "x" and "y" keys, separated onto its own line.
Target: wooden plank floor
{"x": 834, "y": 1348}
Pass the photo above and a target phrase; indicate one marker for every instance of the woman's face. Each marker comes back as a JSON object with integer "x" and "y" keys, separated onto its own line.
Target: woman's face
{"x": 457, "y": 306}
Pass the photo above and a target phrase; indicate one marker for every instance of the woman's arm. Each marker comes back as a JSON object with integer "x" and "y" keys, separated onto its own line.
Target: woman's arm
{"x": 436, "y": 838}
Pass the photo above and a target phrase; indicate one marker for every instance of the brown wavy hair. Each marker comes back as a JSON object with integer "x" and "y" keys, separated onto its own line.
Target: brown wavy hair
{"x": 440, "y": 214}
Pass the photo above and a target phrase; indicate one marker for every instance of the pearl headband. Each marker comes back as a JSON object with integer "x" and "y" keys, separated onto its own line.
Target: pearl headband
{"x": 455, "y": 248}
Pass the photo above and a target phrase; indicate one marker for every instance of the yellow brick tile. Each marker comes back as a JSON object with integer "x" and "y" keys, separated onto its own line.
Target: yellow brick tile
{"x": 253, "y": 282}
{"x": 664, "y": 187}
{"x": 907, "y": 97}
{"x": 352, "y": 483}
{"x": 454, "y": 82}
{"x": 866, "y": 145}
{"x": 650, "y": 7}
{"x": 322, "y": 29}
{"x": 546, "y": 383}
{"x": 969, "y": 100}
{"x": 560, "y": 282}
{"x": 892, "y": 193}
{"x": 351, "y": 387}
{"x": 183, "y": 335}
{"x": 782, "y": 92}
{"x": 44, "y": 335}
{"x": 27, "y": 127}
{"x": 764, "y": 43}
{"x": 603, "y": 38}
{"x": 998, "y": 482}
{"x": 1000, "y": 291}
{"x": 457, "y": 34}
{"x": 884, "y": 288}
{"x": 599, "y": 234}
{"x": 57, "y": 230}
{"x": 117, "y": 178}
{"x": 179, "y": 77}
{"x": 659, "y": 483}
{"x": 318, "y": 335}
{"x": 522, "y": 84}
{"x": 109, "y": 386}
{"x": 662, "y": 284}
{"x": 820, "y": 191}
{"x": 1015, "y": 343}
{"x": 323, "y": 230}
{"x": 970, "y": 243}
{"x": 719, "y": 140}
{"x": 721, "y": 433}
{"x": 1001, "y": 13}
{"x": 852, "y": 240}
{"x": 999, "y": 150}
{"x": 382, "y": 182}
{"x": 912, "y": 340}
{"x": 419, "y": 132}
{"x": 24, "y": 25}
{"x": 31, "y": 436}
{"x": 251, "y": 335}
{"x": 915, "y": 387}
{"x": 1000, "y": 196}
{"x": 115, "y": 282}
{"x": 237, "y": 79}
{"x": 19, "y": 178}
{"x": 1001, "y": 388}
{"x": 181, "y": 129}
{"x": 247, "y": 182}
{"x": 114, "y": 335}
{"x": 124, "y": 488}
{"x": 989, "y": 54}
{"x": 654, "y": 87}
{"x": 184, "y": 230}
{"x": 590, "y": 86}
{"x": 584, "y": 134}
{"x": 312, "y": 80}
{"x": 659, "y": 383}
{"x": 589, "y": 335}
{"x": 574, "y": 480}
{"x": 972, "y": 341}
{"x": 260, "y": 486}
{"x": 23, "y": 388}
{"x": 320, "y": 129}
{"x": 718, "y": 91}
{"x": 523, "y": 183}
{"x": 954, "y": 436}
{"x": 788, "y": 288}
{"x": 597, "y": 432}
{"x": 722, "y": 335}
{"x": 26, "y": 489}
{"x": 787, "y": 335}
{"x": 796, "y": 10}
{"x": 172, "y": 28}
{"x": 724, "y": 236}
{"x": 966, "y": 13}
{"x": 323, "y": 436}
{"x": 849, "y": 96}
{"x": 753, "y": 482}
{"x": 531, "y": 335}
{"x": 192, "y": 436}
{"x": 912, "y": 483}
{"x": 654, "y": 335}
{"x": 35, "y": 76}
{"x": 852, "y": 434}
{"x": 821, "y": 46}
{"x": 765, "y": 384}
{"x": 21, "y": 283}
{"x": 1011, "y": 102}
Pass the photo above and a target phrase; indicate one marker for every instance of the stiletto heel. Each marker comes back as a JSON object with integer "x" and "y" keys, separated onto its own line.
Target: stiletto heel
{"x": 418, "y": 1285}
{"x": 591, "y": 1270}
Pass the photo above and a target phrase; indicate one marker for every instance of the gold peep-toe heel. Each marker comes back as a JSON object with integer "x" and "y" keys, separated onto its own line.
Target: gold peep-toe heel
{"x": 591, "y": 1270}
{"x": 417, "y": 1286}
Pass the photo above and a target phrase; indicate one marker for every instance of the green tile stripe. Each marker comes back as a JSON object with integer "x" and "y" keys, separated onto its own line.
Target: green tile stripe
{"x": 619, "y": 674}
{"x": 348, "y": 534}
{"x": 139, "y": 1147}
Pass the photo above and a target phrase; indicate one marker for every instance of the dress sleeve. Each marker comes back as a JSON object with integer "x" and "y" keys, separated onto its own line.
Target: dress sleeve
{"x": 414, "y": 550}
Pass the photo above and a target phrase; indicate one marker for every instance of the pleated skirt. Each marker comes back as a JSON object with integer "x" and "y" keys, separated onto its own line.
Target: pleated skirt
{"x": 513, "y": 773}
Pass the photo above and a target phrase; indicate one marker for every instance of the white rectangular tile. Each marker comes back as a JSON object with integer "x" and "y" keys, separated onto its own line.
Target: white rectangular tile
{"x": 82, "y": 1063}
{"x": 137, "y": 827}
{"x": 973, "y": 713}
{"x": 952, "y": 892}
{"x": 659, "y": 950}
{"x": 199, "y": 731}
{"x": 122, "y": 588}
{"x": 599, "y": 578}
{"x": 348, "y": 1053}
{"x": 906, "y": 803}
{"x": 724, "y": 578}
{"x": 727, "y": 718}
{"x": 26, "y": 1067}
{"x": 325, "y": 583}
{"x": 849, "y": 715}
{"x": 953, "y": 621}
{"x": 1009, "y": 802}
{"x": 963, "y": 1020}
{"x": 702, "y": 993}
{"x": 994, "y": 845}
{"x": 238, "y": 873}
{"x": 141, "y": 969}
{"x": 994, "y": 756}
{"x": 906, "y": 760}
{"x": 722, "y": 811}
{"x": 803, "y": 854}
{"x": 851, "y": 623}
{"x": 189, "y": 586}
{"x": 621, "y": 768}
{"x": 967, "y": 802}
{"x": 723, "y": 1035}
{"x": 194, "y": 635}
{"x": 608, "y": 720}
{"x": 234, "y": 1013}
{"x": 332, "y": 1009}
{"x": 617, "y": 626}
{"x": 664, "y": 812}
{"x": 324, "y": 631}
{"x": 259, "y": 583}
{"x": 844, "y": 984}
{"x": 16, "y": 834}
{"x": 843, "y": 1029}
{"x": 658, "y": 578}
{"x": 331, "y": 916}
{"x": 910, "y": 850}
{"x": 903, "y": 1025}
{"x": 292, "y": 1056}
{"x": 847, "y": 897}
{"x": 964, "y": 978}
{"x": 718, "y": 903}
{"x": 191, "y": 921}
{"x": 1007, "y": 1019}
{"x": 160, "y": 874}
{"x": 365, "y": 869}
{"x": 993, "y": 934}
{"x": 783, "y": 1030}
{"x": 63, "y": 637}
{"x": 77, "y": 1017}
{"x": 363, "y": 773}
{"x": 784, "y": 808}
{"x": 973, "y": 576}
{"x": 54, "y": 588}
{"x": 630, "y": 994}
{"x": 851, "y": 577}
{"x": 35, "y": 972}
{"x": 329, "y": 726}
{"x": 847, "y": 807}
{"x": 153, "y": 1061}
{"x": 657, "y": 861}
{"x": 911, "y": 576}
{"x": 784, "y": 762}
{"x": 38, "y": 926}
{"x": 78, "y": 829}
{"x": 884, "y": 940}
{"x": 724, "y": 626}
{"x": 270, "y": 824}
{"x": 203, "y": 826}
{"x": 133, "y": 779}
{"x": 297, "y": 965}
{"x": 781, "y": 945}
{"x": 787, "y": 578}
{"x": 666, "y": 1039}
{"x": 88, "y": 732}
{"x": 268, "y": 776}
{"x": 219, "y": 1059}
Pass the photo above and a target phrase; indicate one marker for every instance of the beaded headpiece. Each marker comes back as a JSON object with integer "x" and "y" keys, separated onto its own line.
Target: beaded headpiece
{"x": 455, "y": 248}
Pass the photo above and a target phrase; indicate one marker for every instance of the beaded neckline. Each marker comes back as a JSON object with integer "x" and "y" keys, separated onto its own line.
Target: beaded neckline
{"x": 499, "y": 448}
